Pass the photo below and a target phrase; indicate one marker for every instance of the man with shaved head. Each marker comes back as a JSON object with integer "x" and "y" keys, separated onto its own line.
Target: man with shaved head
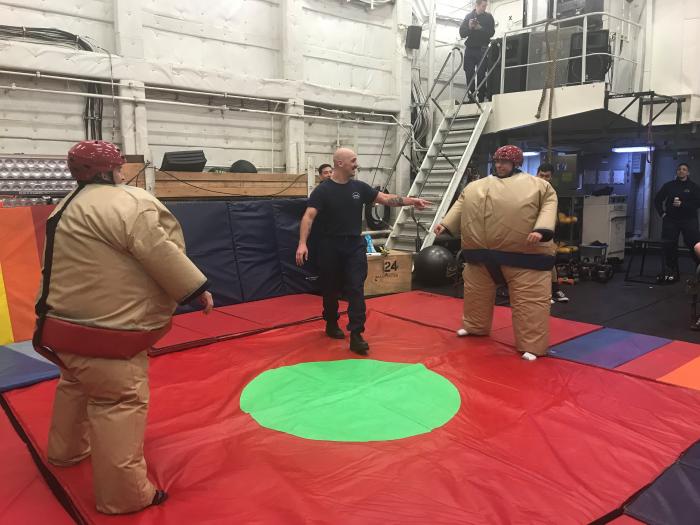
{"x": 337, "y": 206}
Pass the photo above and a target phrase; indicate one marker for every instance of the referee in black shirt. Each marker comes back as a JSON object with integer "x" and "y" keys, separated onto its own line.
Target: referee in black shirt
{"x": 677, "y": 203}
{"x": 342, "y": 253}
{"x": 478, "y": 28}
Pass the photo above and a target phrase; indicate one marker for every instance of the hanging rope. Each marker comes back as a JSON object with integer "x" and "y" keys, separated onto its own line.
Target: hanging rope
{"x": 552, "y": 55}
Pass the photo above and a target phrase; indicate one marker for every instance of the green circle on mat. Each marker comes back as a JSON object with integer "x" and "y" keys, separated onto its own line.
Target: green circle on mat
{"x": 351, "y": 400}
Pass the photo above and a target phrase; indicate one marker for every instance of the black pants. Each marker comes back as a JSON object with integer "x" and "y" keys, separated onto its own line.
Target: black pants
{"x": 343, "y": 267}
{"x": 472, "y": 57}
{"x": 670, "y": 230}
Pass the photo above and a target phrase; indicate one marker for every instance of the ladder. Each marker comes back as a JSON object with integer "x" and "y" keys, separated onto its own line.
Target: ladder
{"x": 439, "y": 176}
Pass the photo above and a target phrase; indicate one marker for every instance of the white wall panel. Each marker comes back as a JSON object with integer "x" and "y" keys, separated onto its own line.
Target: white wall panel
{"x": 225, "y": 137}
{"x": 45, "y": 123}
{"x": 322, "y": 138}
{"x": 86, "y": 18}
{"x": 241, "y": 36}
{"x": 349, "y": 47}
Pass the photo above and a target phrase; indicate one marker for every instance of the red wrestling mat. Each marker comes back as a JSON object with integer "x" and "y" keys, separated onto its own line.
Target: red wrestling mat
{"x": 279, "y": 311}
{"x": 196, "y": 329}
{"x": 549, "y": 441}
{"x": 662, "y": 361}
{"x": 446, "y": 312}
{"x": 25, "y": 498}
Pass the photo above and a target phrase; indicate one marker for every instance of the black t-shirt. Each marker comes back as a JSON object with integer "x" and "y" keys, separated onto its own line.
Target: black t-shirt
{"x": 340, "y": 206}
{"x": 477, "y": 38}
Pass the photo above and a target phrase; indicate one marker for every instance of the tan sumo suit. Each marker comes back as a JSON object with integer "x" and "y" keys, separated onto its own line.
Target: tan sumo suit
{"x": 119, "y": 264}
{"x": 494, "y": 216}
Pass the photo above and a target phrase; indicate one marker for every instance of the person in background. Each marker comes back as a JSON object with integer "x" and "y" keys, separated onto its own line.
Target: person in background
{"x": 478, "y": 27}
{"x": 507, "y": 224}
{"x": 114, "y": 270}
{"x": 677, "y": 204}
{"x": 336, "y": 205}
{"x": 545, "y": 171}
{"x": 695, "y": 326}
{"x": 325, "y": 171}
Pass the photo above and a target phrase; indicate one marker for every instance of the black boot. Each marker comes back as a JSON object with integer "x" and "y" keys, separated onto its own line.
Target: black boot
{"x": 358, "y": 344}
{"x": 333, "y": 330}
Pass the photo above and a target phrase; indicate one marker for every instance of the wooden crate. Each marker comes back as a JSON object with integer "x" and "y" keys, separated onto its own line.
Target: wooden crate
{"x": 388, "y": 274}
{"x": 219, "y": 185}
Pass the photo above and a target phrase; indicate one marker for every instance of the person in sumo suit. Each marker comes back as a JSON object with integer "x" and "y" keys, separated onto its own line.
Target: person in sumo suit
{"x": 506, "y": 223}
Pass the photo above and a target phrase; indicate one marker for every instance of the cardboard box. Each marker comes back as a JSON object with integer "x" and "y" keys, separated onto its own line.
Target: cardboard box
{"x": 388, "y": 274}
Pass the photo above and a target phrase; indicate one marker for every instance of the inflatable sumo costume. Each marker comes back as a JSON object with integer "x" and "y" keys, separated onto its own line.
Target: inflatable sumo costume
{"x": 114, "y": 270}
{"x": 506, "y": 224}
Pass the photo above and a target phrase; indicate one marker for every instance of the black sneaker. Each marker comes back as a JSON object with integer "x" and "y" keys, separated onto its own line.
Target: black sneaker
{"x": 159, "y": 498}
{"x": 559, "y": 297}
{"x": 333, "y": 331}
{"x": 358, "y": 344}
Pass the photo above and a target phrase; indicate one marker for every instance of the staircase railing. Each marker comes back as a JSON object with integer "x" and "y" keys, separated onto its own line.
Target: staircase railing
{"x": 457, "y": 50}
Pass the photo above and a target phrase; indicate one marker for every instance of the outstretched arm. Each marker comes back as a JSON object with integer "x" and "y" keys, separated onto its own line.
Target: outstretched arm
{"x": 451, "y": 221}
{"x": 389, "y": 199}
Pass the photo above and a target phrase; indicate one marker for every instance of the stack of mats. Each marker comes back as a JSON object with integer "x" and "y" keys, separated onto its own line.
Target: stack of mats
{"x": 21, "y": 249}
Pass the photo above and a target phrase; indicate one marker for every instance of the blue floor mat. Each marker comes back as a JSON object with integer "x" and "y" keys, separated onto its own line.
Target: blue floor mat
{"x": 18, "y": 369}
{"x": 674, "y": 498}
{"x": 607, "y": 348}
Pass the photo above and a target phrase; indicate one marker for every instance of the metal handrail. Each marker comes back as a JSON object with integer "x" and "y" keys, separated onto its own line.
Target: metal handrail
{"x": 615, "y": 58}
{"x": 458, "y": 107}
{"x": 558, "y": 21}
{"x": 428, "y": 98}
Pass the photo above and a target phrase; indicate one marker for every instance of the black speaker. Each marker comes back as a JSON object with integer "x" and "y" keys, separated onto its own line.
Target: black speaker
{"x": 493, "y": 82}
{"x": 597, "y": 65}
{"x": 413, "y": 35}
{"x": 516, "y": 55}
{"x": 193, "y": 161}
{"x": 570, "y": 8}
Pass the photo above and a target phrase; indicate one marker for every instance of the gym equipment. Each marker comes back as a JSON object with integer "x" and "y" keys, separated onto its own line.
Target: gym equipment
{"x": 432, "y": 265}
{"x": 192, "y": 161}
{"x": 603, "y": 273}
{"x": 242, "y": 166}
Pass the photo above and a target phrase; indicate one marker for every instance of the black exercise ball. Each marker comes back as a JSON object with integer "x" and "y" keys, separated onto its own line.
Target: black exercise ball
{"x": 431, "y": 265}
{"x": 243, "y": 166}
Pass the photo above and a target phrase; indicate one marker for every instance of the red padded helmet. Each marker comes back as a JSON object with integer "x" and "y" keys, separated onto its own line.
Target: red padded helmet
{"x": 511, "y": 153}
{"x": 91, "y": 157}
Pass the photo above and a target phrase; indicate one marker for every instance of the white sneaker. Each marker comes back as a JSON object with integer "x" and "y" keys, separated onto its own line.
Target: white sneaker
{"x": 529, "y": 357}
{"x": 559, "y": 297}
{"x": 462, "y": 333}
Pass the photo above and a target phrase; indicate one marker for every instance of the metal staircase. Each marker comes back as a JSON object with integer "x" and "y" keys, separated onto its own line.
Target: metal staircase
{"x": 439, "y": 176}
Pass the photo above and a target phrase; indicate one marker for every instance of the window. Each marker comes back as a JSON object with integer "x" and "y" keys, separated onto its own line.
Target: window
{"x": 536, "y": 11}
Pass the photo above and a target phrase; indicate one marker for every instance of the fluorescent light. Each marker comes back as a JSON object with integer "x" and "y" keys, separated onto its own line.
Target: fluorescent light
{"x": 531, "y": 153}
{"x": 634, "y": 149}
